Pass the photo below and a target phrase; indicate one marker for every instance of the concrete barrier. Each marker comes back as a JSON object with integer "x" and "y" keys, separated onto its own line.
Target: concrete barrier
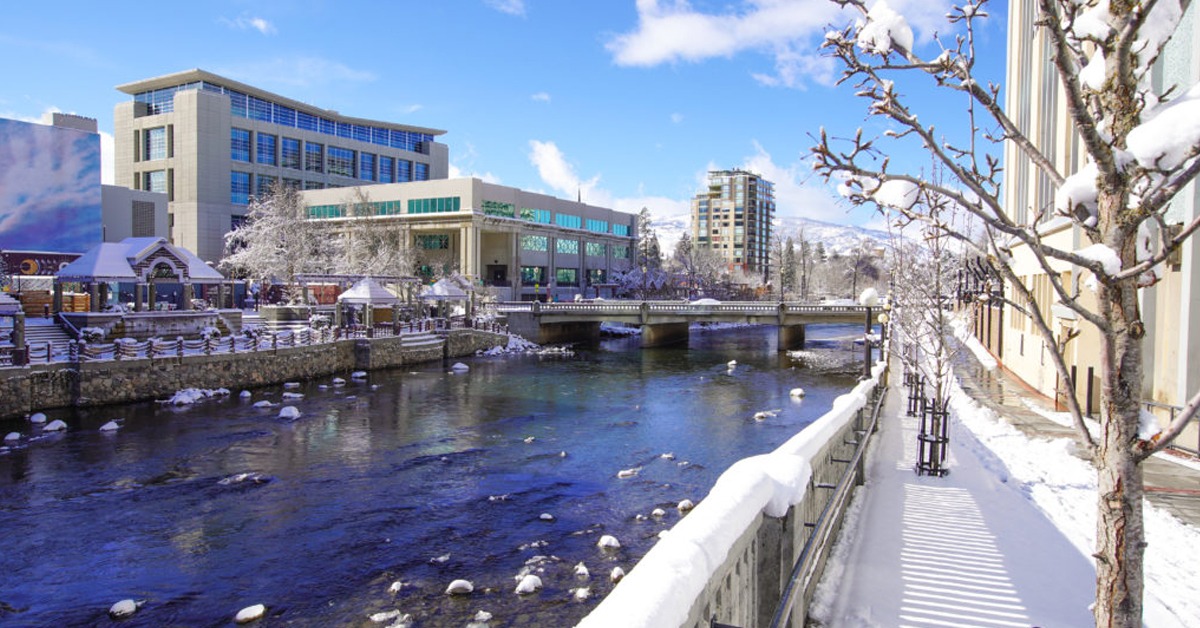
{"x": 731, "y": 559}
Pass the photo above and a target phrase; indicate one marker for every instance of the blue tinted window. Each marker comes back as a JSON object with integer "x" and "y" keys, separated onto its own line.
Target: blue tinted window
{"x": 387, "y": 169}
{"x": 366, "y": 166}
{"x": 262, "y": 185}
{"x": 239, "y": 187}
{"x": 341, "y": 161}
{"x": 237, "y": 104}
{"x": 239, "y": 144}
{"x": 403, "y": 171}
{"x": 289, "y": 154}
{"x": 307, "y": 121}
{"x": 420, "y": 171}
{"x": 314, "y": 157}
{"x": 264, "y": 149}
{"x": 259, "y": 109}
{"x": 156, "y": 181}
{"x": 284, "y": 115}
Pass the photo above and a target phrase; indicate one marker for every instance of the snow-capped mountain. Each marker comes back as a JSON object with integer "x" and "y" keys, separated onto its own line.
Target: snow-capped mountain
{"x": 836, "y": 238}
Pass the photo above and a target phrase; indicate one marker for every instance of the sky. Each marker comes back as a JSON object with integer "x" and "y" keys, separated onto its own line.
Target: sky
{"x": 627, "y": 104}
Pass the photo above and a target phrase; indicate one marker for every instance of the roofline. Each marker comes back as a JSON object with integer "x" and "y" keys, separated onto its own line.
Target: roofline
{"x": 196, "y": 74}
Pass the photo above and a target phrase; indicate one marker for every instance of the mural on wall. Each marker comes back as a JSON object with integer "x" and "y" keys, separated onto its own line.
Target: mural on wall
{"x": 49, "y": 188}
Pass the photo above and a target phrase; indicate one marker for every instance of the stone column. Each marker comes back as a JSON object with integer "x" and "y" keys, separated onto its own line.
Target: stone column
{"x": 58, "y": 298}
{"x": 94, "y": 296}
{"x": 151, "y": 295}
{"x": 189, "y": 293}
{"x": 139, "y": 290}
{"x": 20, "y": 358}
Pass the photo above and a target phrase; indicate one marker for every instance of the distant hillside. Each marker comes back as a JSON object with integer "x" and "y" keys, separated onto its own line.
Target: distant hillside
{"x": 836, "y": 238}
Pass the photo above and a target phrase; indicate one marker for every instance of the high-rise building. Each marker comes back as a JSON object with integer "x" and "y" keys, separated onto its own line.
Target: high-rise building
{"x": 211, "y": 143}
{"x": 733, "y": 216}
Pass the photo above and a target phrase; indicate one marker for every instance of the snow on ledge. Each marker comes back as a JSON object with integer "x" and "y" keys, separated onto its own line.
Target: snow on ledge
{"x": 661, "y": 589}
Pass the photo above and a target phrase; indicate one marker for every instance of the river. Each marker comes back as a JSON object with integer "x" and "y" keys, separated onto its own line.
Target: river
{"x": 418, "y": 476}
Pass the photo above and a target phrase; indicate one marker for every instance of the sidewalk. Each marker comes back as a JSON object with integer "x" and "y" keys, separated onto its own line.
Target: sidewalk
{"x": 997, "y": 542}
{"x": 1172, "y": 485}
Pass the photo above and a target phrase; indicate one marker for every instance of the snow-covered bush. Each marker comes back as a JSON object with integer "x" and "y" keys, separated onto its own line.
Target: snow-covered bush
{"x": 91, "y": 334}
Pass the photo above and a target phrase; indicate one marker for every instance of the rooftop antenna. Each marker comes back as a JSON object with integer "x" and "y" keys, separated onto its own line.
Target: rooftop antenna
{"x": 579, "y": 195}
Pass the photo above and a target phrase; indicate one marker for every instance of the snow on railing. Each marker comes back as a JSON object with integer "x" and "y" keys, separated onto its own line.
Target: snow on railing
{"x": 158, "y": 348}
{"x": 664, "y": 585}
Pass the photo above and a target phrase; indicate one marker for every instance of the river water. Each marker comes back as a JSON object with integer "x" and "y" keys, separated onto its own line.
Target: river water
{"x": 415, "y": 476}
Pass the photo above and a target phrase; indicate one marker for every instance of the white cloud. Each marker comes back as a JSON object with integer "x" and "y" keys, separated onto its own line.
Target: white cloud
{"x": 247, "y": 22}
{"x": 411, "y": 109}
{"x": 540, "y": 97}
{"x": 511, "y": 7}
{"x": 676, "y": 118}
{"x": 797, "y": 192}
{"x": 296, "y": 72}
{"x": 556, "y": 172}
{"x": 670, "y": 31}
{"x": 464, "y": 166}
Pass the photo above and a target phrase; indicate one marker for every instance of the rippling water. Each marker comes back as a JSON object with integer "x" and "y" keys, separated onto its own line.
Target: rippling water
{"x": 419, "y": 476}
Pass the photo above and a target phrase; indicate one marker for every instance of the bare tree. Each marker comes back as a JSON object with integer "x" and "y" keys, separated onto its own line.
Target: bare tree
{"x": 1103, "y": 54}
{"x": 278, "y": 242}
{"x": 374, "y": 245}
{"x": 699, "y": 268}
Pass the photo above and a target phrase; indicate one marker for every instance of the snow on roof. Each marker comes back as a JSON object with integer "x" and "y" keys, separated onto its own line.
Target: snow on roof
{"x": 8, "y": 305}
{"x": 443, "y": 289}
{"x": 114, "y": 261}
{"x": 366, "y": 290}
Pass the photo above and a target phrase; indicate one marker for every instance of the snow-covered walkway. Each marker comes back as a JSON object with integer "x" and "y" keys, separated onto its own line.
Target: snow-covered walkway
{"x": 1001, "y": 541}
{"x": 964, "y": 549}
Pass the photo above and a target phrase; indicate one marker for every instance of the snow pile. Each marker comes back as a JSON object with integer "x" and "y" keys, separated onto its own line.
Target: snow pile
{"x": 1108, "y": 258}
{"x": 516, "y": 344}
{"x": 661, "y": 589}
{"x": 188, "y": 396}
{"x": 885, "y": 29}
{"x": 1077, "y": 195}
{"x": 896, "y": 193}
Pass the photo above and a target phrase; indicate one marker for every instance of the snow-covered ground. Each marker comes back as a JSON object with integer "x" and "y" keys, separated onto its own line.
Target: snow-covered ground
{"x": 1004, "y": 540}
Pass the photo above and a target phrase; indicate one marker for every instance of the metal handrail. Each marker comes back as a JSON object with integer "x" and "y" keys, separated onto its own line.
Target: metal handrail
{"x": 1174, "y": 411}
{"x": 818, "y": 541}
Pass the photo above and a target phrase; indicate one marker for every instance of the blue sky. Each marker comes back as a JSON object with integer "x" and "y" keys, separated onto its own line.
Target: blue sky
{"x": 628, "y": 102}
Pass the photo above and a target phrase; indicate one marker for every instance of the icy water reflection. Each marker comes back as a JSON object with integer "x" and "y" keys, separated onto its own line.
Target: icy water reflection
{"x": 415, "y": 476}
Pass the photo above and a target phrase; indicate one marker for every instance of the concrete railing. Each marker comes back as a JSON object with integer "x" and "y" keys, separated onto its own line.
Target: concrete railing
{"x": 732, "y": 559}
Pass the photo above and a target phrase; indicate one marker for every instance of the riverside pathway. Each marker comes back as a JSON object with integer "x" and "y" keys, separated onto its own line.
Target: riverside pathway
{"x": 970, "y": 548}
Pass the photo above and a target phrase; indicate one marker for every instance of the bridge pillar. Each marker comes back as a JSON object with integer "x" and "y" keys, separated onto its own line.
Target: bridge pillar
{"x": 791, "y": 337}
{"x": 661, "y": 334}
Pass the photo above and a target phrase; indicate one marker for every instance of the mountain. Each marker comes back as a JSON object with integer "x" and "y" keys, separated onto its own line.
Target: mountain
{"x": 836, "y": 238}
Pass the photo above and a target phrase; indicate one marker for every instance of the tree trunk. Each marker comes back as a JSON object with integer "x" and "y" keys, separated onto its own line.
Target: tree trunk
{"x": 1120, "y": 532}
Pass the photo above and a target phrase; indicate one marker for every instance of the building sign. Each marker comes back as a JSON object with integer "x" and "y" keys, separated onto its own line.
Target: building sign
{"x": 35, "y": 262}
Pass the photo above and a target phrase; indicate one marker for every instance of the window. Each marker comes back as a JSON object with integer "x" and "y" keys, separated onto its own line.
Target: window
{"x": 535, "y": 215}
{"x": 387, "y": 169}
{"x": 262, "y": 185}
{"x": 341, "y": 161}
{"x": 239, "y": 144}
{"x": 314, "y": 157}
{"x": 420, "y": 171}
{"x": 563, "y": 245}
{"x": 314, "y": 185}
{"x": 566, "y": 276}
{"x": 621, "y": 230}
{"x": 239, "y": 187}
{"x": 289, "y": 154}
{"x": 497, "y": 208}
{"x": 596, "y": 275}
{"x": 306, "y": 121}
{"x": 366, "y": 166}
{"x": 156, "y": 143}
{"x": 433, "y": 242}
{"x": 620, "y": 252}
{"x": 294, "y": 184}
{"x": 433, "y": 205}
{"x": 284, "y": 115}
{"x": 568, "y": 221}
{"x": 155, "y": 181}
{"x": 326, "y": 211}
{"x": 403, "y": 171}
{"x": 596, "y": 249}
{"x": 258, "y": 109}
{"x": 533, "y": 275}
{"x": 534, "y": 243}
{"x": 599, "y": 226}
{"x": 264, "y": 148}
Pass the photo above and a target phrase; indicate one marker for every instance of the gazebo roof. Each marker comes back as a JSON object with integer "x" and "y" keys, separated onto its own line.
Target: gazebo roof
{"x": 134, "y": 259}
{"x": 366, "y": 291}
{"x": 8, "y": 305}
{"x": 444, "y": 289}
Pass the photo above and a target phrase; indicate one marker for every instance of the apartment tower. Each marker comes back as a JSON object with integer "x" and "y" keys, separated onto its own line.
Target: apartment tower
{"x": 733, "y": 217}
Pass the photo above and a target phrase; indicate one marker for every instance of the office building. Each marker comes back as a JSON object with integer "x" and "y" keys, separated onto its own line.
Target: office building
{"x": 211, "y": 143}
{"x": 522, "y": 245}
{"x": 733, "y": 216}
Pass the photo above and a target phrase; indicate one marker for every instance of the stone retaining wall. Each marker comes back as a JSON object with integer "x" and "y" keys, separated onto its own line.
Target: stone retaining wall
{"x": 46, "y": 386}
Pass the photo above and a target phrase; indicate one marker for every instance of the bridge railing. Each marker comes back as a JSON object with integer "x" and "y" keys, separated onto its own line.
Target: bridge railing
{"x": 735, "y": 557}
{"x": 753, "y": 308}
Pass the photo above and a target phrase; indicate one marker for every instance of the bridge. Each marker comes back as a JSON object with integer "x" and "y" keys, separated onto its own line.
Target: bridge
{"x": 666, "y": 322}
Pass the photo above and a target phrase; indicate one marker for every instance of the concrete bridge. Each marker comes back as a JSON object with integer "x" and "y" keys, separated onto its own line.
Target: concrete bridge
{"x": 666, "y": 322}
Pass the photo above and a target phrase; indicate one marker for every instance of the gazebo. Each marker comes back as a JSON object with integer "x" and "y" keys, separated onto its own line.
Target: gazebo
{"x": 445, "y": 291}
{"x": 369, "y": 294}
{"x": 144, "y": 262}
